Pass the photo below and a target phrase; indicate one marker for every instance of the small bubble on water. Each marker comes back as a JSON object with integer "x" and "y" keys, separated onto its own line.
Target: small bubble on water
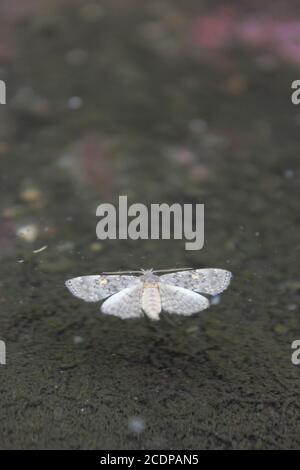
{"x": 77, "y": 339}
{"x": 136, "y": 424}
{"x": 216, "y": 299}
{"x": 75, "y": 102}
{"x": 289, "y": 174}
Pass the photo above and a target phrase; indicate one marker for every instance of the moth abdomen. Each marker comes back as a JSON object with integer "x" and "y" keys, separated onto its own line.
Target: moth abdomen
{"x": 151, "y": 300}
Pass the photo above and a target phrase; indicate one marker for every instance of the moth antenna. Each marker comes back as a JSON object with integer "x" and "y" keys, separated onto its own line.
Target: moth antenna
{"x": 122, "y": 272}
{"x": 172, "y": 270}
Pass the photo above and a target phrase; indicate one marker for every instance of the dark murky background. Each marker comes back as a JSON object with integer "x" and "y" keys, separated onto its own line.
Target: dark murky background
{"x": 163, "y": 101}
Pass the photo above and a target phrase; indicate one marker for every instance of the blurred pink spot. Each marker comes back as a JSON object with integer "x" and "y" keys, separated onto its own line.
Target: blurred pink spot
{"x": 215, "y": 30}
{"x": 7, "y": 236}
{"x": 90, "y": 162}
{"x": 225, "y": 26}
{"x": 287, "y": 35}
{"x": 199, "y": 172}
{"x": 255, "y": 32}
{"x": 97, "y": 163}
{"x": 183, "y": 156}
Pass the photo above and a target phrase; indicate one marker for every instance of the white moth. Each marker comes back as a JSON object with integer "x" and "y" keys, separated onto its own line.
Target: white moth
{"x": 131, "y": 296}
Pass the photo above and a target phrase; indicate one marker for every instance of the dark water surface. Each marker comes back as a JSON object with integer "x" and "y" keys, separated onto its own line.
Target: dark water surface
{"x": 124, "y": 103}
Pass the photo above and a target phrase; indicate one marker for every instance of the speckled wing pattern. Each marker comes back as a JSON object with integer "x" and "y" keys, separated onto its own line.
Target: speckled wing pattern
{"x": 207, "y": 281}
{"x": 181, "y": 301}
{"x": 98, "y": 287}
{"x": 125, "y": 304}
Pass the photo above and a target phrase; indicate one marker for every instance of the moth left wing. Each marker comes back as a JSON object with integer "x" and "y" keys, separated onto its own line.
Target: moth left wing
{"x": 125, "y": 304}
{"x": 181, "y": 301}
{"x": 207, "y": 281}
{"x": 98, "y": 287}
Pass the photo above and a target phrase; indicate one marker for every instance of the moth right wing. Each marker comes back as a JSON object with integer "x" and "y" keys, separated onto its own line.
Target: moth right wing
{"x": 125, "y": 304}
{"x": 207, "y": 281}
{"x": 181, "y": 301}
{"x": 98, "y": 287}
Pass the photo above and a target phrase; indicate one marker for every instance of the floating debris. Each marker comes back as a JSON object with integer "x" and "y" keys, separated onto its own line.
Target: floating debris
{"x": 43, "y": 248}
{"x": 65, "y": 246}
{"x": 28, "y": 233}
{"x": 96, "y": 247}
{"x": 31, "y": 195}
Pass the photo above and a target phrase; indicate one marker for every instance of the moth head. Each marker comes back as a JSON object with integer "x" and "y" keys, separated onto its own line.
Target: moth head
{"x": 147, "y": 271}
{"x": 148, "y": 276}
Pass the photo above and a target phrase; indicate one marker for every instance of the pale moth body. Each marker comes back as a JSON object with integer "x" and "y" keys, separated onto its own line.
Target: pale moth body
{"x": 151, "y": 301}
{"x": 129, "y": 296}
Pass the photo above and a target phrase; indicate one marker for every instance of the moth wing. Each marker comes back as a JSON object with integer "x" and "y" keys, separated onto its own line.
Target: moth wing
{"x": 125, "y": 304}
{"x": 181, "y": 301}
{"x": 208, "y": 281}
{"x": 95, "y": 288}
